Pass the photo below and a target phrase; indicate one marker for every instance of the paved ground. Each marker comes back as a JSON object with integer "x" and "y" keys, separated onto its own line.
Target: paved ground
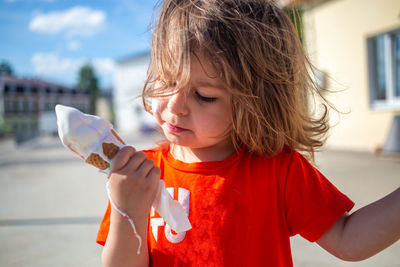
{"x": 52, "y": 204}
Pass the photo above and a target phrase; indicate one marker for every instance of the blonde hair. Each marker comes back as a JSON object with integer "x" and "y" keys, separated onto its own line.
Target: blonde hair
{"x": 255, "y": 47}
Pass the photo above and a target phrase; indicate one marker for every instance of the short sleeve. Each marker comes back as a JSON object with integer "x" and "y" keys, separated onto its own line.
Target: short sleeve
{"x": 104, "y": 227}
{"x": 313, "y": 204}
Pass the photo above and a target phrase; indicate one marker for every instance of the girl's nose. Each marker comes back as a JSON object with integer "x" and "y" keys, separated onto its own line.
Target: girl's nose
{"x": 177, "y": 103}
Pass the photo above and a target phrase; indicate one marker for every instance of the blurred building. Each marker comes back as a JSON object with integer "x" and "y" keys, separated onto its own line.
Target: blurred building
{"x": 104, "y": 105}
{"x": 27, "y": 105}
{"x": 130, "y": 75}
{"x": 356, "y": 43}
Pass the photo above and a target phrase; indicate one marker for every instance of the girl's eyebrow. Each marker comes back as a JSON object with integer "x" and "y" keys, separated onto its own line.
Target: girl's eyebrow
{"x": 208, "y": 84}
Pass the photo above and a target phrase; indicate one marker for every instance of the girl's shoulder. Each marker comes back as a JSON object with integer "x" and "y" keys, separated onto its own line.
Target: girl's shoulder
{"x": 285, "y": 154}
{"x": 284, "y": 160}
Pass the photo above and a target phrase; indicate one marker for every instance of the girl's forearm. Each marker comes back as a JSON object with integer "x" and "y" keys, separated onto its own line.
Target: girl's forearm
{"x": 121, "y": 246}
{"x": 372, "y": 228}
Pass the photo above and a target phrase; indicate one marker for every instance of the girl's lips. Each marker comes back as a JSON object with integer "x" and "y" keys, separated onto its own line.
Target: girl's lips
{"x": 174, "y": 129}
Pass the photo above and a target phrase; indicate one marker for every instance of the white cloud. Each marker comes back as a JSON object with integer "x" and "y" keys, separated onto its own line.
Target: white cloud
{"x": 73, "y": 45}
{"x": 50, "y": 64}
{"x": 76, "y": 21}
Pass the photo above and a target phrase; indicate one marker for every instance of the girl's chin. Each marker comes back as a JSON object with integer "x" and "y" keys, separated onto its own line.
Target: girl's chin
{"x": 175, "y": 139}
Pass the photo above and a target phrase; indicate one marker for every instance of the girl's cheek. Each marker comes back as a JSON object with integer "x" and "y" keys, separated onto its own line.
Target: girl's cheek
{"x": 156, "y": 108}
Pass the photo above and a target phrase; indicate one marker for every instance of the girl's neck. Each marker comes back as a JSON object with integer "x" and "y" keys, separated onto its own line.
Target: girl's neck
{"x": 191, "y": 155}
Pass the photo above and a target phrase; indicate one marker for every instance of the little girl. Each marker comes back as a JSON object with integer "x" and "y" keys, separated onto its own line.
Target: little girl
{"x": 230, "y": 86}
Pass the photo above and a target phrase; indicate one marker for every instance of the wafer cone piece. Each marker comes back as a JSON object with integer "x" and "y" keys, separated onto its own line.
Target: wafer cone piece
{"x": 109, "y": 149}
{"x": 117, "y": 136}
{"x": 96, "y": 160}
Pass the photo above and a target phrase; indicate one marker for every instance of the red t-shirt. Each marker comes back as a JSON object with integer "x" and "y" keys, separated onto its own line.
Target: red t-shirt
{"x": 242, "y": 209}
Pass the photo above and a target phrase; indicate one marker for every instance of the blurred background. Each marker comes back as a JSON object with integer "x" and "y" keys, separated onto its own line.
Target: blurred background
{"x": 93, "y": 55}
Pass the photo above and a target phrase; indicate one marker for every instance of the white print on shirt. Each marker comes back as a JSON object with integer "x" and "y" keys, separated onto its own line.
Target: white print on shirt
{"x": 184, "y": 199}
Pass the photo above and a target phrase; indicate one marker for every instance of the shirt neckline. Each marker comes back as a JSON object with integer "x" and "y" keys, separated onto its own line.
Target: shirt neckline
{"x": 205, "y": 166}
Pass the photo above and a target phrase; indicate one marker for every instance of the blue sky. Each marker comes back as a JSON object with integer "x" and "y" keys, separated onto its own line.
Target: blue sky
{"x": 51, "y": 39}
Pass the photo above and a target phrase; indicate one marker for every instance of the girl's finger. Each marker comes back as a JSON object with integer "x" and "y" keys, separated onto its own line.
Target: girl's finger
{"x": 155, "y": 173}
{"x": 135, "y": 161}
{"x": 122, "y": 158}
{"x": 145, "y": 167}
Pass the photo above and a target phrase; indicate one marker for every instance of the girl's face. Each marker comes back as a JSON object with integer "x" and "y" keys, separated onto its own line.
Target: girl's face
{"x": 197, "y": 116}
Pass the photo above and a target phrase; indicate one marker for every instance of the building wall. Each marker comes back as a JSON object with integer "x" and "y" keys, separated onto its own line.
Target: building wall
{"x": 129, "y": 79}
{"x": 336, "y": 35}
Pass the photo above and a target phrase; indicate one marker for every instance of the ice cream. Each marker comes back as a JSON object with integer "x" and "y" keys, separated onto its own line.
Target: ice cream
{"x": 90, "y": 137}
{"x": 95, "y": 141}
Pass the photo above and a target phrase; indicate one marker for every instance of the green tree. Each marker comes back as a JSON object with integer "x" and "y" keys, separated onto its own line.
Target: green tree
{"x": 296, "y": 16}
{"x": 88, "y": 81}
{"x": 5, "y": 68}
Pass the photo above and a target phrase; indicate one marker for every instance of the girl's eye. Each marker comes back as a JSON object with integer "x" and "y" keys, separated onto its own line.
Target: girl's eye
{"x": 204, "y": 98}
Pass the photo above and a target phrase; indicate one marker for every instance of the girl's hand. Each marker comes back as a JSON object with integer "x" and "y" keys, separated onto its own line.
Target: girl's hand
{"x": 134, "y": 182}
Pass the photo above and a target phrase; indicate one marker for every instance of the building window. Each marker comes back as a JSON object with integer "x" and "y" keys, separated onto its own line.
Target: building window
{"x": 7, "y": 107}
{"x": 20, "y": 89}
{"x": 384, "y": 70}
